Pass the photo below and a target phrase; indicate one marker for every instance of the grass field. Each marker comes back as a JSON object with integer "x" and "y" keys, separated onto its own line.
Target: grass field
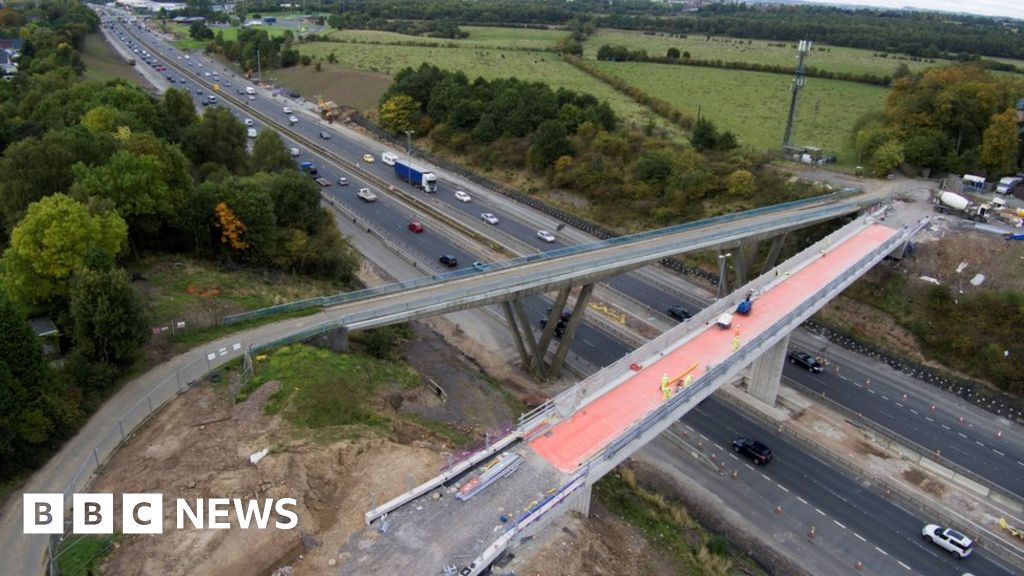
{"x": 102, "y": 63}
{"x": 479, "y": 37}
{"x": 831, "y": 58}
{"x": 184, "y": 42}
{"x": 354, "y": 88}
{"x": 754, "y": 104}
{"x": 479, "y": 62}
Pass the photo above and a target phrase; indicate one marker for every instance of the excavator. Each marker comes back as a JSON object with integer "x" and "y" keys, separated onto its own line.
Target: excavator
{"x": 328, "y": 109}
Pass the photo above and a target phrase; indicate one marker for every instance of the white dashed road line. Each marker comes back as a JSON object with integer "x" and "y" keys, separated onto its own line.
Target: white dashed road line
{"x": 979, "y": 443}
{"x": 781, "y": 487}
{"x": 946, "y": 427}
{"x": 915, "y": 412}
{"x": 801, "y": 499}
{"x": 862, "y": 539}
{"x": 838, "y": 523}
{"x": 961, "y": 434}
{"x": 929, "y": 418}
{"x": 819, "y": 511}
{"x": 765, "y": 476}
{"x": 882, "y": 551}
{"x": 898, "y": 404}
{"x": 884, "y": 397}
{"x": 902, "y": 564}
{"x": 998, "y": 452}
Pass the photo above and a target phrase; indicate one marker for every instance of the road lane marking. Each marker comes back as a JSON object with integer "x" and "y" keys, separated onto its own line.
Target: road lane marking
{"x": 818, "y": 510}
{"x": 884, "y": 397}
{"x": 915, "y": 412}
{"x": 898, "y": 404}
{"x": 929, "y": 418}
{"x": 979, "y": 443}
{"x": 840, "y": 524}
{"x": 870, "y": 390}
{"x": 998, "y": 452}
{"x": 749, "y": 466}
{"x": 782, "y": 487}
{"x": 859, "y": 536}
{"x": 801, "y": 499}
{"x": 902, "y": 564}
{"x": 882, "y": 551}
{"x": 763, "y": 475}
{"x": 946, "y": 427}
{"x": 857, "y": 385}
{"x": 961, "y": 434}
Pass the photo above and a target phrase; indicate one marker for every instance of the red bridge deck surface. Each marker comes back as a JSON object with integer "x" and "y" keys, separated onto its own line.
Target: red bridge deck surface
{"x": 570, "y": 442}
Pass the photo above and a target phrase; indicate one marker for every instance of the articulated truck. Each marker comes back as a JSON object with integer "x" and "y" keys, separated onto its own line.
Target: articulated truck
{"x": 416, "y": 175}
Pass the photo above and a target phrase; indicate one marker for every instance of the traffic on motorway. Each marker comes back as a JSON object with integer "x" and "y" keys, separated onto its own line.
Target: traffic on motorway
{"x": 393, "y": 219}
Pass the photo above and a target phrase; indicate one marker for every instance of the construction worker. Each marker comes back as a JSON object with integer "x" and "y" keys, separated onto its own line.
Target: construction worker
{"x": 688, "y": 380}
{"x": 735, "y": 343}
{"x": 666, "y": 392}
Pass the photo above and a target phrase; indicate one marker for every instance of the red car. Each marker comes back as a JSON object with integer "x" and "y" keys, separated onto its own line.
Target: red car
{"x": 416, "y": 226}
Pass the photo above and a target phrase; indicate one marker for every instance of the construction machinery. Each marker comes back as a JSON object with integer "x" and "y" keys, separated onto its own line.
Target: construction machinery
{"x": 328, "y": 109}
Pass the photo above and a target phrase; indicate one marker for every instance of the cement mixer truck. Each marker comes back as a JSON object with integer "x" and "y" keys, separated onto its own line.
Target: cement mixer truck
{"x": 952, "y": 203}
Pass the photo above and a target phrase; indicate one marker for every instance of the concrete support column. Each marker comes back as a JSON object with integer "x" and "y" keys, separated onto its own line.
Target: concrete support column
{"x": 510, "y": 317}
{"x": 773, "y": 252}
{"x": 580, "y": 501}
{"x": 527, "y": 334}
{"x": 553, "y": 319}
{"x": 766, "y": 372}
{"x": 335, "y": 340}
{"x": 746, "y": 253}
{"x": 570, "y": 330}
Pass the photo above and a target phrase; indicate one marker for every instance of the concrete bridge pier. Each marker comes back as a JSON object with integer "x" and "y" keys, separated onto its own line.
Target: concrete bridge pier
{"x": 580, "y": 502}
{"x": 746, "y": 252}
{"x": 766, "y": 371}
{"x": 554, "y": 317}
{"x": 773, "y": 252}
{"x": 570, "y": 330}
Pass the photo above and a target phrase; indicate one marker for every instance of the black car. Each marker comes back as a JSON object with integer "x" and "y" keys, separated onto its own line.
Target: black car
{"x": 679, "y": 313}
{"x": 566, "y": 313}
{"x": 324, "y": 135}
{"x": 448, "y": 260}
{"x": 760, "y": 453}
{"x": 559, "y": 328}
{"x": 806, "y": 361}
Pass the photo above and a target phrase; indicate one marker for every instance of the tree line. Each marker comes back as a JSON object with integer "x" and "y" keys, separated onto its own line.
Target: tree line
{"x": 958, "y": 118}
{"x": 95, "y": 173}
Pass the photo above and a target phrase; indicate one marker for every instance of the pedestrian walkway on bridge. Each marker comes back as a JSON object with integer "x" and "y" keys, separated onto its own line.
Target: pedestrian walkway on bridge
{"x": 569, "y": 443}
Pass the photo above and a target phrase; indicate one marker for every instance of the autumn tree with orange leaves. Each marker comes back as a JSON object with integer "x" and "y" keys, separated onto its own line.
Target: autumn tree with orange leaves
{"x": 231, "y": 227}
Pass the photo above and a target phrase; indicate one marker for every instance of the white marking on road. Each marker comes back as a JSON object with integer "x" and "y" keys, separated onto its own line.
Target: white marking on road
{"x": 915, "y": 412}
{"x": 882, "y": 551}
{"x": 946, "y": 427}
{"x": 961, "y": 434}
{"x": 840, "y": 524}
{"x": 870, "y": 390}
{"x": 902, "y": 564}
{"x": 801, "y": 499}
{"x": 859, "y": 536}
{"x": 929, "y": 418}
{"x": 1019, "y": 462}
{"x": 998, "y": 452}
{"x": 763, "y": 475}
{"x": 818, "y": 510}
{"x": 781, "y": 487}
{"x": 749, "y": 466}
{"x": 979, "y": 443}
{"x": 703, "y": 437}
{"x": 857, "y": 385}
{"x": 884, "y": 397}
{"x": 898, "y": 404}
{"x": 734, "y": 457}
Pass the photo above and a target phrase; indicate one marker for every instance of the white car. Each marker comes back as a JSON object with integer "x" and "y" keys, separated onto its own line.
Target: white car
{"x": 251, "y": 133}
{"x": 545, "y": 236}
{"x": 365, "y": 195}
{"x": 206, "y": 74}
{"x": 948, "y": 539}
{"x": 292, "y": 120}
{"x": 294, "y": 151}
{"x": 287, "y": 110}
{"x": 248, "y": 122}
{"x": 489, "y": 218}
{"x": 462, "y": 196}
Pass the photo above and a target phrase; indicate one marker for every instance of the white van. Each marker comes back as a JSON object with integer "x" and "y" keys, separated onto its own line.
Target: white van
{"x": 389, "y": 158}
{"x": 250, "y": 90}
{"x": 1009, "y": 184}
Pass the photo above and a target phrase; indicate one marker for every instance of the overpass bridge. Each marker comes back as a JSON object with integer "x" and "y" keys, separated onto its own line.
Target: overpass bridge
{"x": 570, "y": 442}
{"x": 563, "y": 270}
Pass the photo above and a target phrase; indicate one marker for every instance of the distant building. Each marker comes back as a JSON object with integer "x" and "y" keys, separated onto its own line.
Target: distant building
{"x": 48, "y": 335}
{"x": 10, "y": 48}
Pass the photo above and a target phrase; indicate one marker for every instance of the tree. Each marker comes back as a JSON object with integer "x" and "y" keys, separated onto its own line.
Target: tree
{"x": 109, "y": 321}
{"x": 231, "y": 227}
{"x": 926, "y": 148}
{"x": 199, "y": 31}
{"x": 887, "y": 157}
{"x": 134, "y": 183}
{"x": 269, "y": 154}
{"x": 398, "y": 113}
{"x": 1000, "y": 144}
{"x": 179, "y": 111}
{"x": 705, "y": 135}
{"x": 740, "y": 183}
{"x": 55, "y": 240}
{"x": 550, "y": 141}
{"x": 672, "y": 53}
{"x": 30, "y": 408}
{"x": 219, "y": 137}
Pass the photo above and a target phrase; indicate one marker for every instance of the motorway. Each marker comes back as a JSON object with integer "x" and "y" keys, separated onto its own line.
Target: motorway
{"x": 1001, "y": 464}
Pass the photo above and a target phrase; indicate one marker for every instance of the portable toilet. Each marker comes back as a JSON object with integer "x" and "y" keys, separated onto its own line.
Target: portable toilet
{"x": 973, "y": 183}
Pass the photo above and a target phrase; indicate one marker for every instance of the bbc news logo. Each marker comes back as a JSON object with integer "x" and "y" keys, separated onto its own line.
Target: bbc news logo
{"x": 144, "y": 513}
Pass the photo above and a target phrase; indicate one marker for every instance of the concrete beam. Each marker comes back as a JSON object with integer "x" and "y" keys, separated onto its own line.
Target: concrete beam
{"x": 570, "y": 330}
{"x": 510, "y": 317}
{"x": 773, "y": 252}
{"x": 766, "y": 371}
{"x": 553, "y": 319}
{"x": 745, "y": 255}
{"x": 524, "y": 321}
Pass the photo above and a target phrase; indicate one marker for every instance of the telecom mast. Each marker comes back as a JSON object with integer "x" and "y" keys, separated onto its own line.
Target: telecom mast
{"x": 798, "y": 83}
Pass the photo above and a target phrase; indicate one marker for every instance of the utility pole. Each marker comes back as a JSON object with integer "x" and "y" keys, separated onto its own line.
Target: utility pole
{"x": 798, "y": 83}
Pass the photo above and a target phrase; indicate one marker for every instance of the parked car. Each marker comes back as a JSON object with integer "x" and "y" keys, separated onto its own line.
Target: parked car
{"x": 489, "y": 218}
{"x": 448, "y": 260}
{"x": 760, "y": 453}
{"x": 949, "y": 540}
{"x": 480, "y": 266}
{"x": 248, "y": 122}
{"x": 286, "y": 110}
{"x": 546, "y": 236}
{"x": 342, "y": 181}
{"x": 293, "y": 120}
{"x": 251, "y": 133}
{"x": 462, "y": 196}
{"x": 365, "y": 195}
{"x": 293, "y": 151}
{"x": 323, "y": 182}
{"x": 324, "y": 135}
{"x": 679, "y": 313}
{"x": 805, "y": 360}
{"x": 416, "y": 226}
{"x": 368, "y": 158}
